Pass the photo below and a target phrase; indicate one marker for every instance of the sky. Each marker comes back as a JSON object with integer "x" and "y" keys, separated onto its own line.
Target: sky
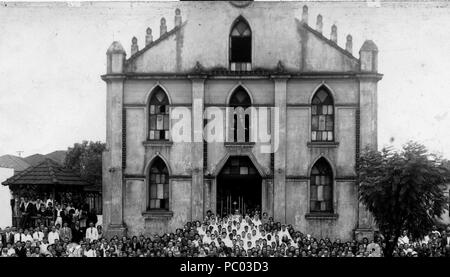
{"x": 52, "y": 56}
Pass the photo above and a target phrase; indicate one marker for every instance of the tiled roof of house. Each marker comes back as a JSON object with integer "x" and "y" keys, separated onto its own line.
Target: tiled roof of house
{"x": 47, "y": 172}
{"x": 14, "y": 162}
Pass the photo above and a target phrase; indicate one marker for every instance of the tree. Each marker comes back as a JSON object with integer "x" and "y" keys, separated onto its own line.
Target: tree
{"x": 403, "y": 190}
{"x": 86, "y": 158}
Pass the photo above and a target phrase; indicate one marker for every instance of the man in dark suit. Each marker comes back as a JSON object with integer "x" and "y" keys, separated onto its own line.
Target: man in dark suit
{"x": 7, "y": 237}
{"x": 21, "y": 252}
{"x": 26, "y": 208}
{"x": 135, "y": 245}
{"x": 77, "y": 232}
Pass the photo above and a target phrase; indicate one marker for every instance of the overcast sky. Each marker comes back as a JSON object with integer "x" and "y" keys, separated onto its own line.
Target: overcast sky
{"x": 52, "y": 56}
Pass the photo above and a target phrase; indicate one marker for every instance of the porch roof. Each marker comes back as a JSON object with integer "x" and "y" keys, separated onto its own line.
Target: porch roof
{"x": 48, "y": 172}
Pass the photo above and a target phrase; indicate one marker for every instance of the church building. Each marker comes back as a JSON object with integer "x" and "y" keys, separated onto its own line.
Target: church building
{"x": 249, "y": 67}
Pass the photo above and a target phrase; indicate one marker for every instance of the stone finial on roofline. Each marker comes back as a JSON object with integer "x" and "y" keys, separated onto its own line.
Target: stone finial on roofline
{"x": 115, "y": 57}
{"x": 319, "y": 24}
{"x": 177, "y": 17}
{"x": 163, "y": 27}
{"x": 148, "y": 36}
{"x": 134, "y": 46}
{"x": 305, "y": 14}
{"x": 368, "y": 56}
{"x": 280, "y": 67}
{"x": 349, "y": 44}
{"x": 115, "y": 48}
{"x": 198, "y": 67}
{"x": 333, "y": 36}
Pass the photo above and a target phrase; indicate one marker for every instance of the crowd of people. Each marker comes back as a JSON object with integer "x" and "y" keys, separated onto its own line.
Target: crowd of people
{"x": 34, "y": 212}
{"x": 229, "y": 236}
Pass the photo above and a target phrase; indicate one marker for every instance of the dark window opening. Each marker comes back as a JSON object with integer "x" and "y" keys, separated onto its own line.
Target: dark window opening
{"x": 322, "y": 116}
{"x": 159, "y": 185}
{"x": 321, "y": 187}
{"x": 240, "y": 99}
{"x": 240, "y": 45}
{"x": 241, "y": 49}
{"x": 159, "y": 115}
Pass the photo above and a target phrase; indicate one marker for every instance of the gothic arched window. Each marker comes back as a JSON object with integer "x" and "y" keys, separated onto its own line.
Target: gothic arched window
{"x": 322, "y": 116}
{"x": 240, "y": 45}
{"x": 158, "y": 185}
{"x": 240, "y": 101}
{"x": 321, "y": 187}
{"x": 158, "y": 115}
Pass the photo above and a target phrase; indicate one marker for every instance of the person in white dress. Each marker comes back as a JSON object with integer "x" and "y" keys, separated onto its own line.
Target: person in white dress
{"x": 207, "y": 238}
{"x": 26, "y": 236}
{"x": 257, "y": 221}
{"x": 38, "y": 235}
{"x": 404, "y": 238}
{"x": 18, "y": 236}
{"x": 90, "y": 253}
{"x": 53, "y": 235}
{"x": 44, "y": 246}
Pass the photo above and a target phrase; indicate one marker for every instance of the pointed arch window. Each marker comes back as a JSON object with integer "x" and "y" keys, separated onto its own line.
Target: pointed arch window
{"x": 321, "y": 187}
{"x": 158, "y": 185}
{"x": 240, "y": 100}
{"x": 240, "y": 45}
{"x": 158, "y": 115}
{"x": 322, "y": 116}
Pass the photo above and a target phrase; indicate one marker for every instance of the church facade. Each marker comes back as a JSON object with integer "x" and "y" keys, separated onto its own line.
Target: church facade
{"x": 288, "y": 108}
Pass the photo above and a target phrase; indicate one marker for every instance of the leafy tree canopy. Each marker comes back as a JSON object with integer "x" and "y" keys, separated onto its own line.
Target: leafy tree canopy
{"x": 86, "y": 158}
{"x": 403, "y": 190}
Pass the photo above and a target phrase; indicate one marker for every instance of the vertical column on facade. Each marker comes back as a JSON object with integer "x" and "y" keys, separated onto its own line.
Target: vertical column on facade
{"x": 198, "y": 92}
{"x": 113, "y": 175}
{"x": 368, "y": 80}
{"x": 279, "y": 180}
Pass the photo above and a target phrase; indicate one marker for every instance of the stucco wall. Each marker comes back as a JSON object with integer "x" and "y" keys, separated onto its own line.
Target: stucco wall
{"x": 205, "y": 38}
{"x": 300, "y": 157}
{"x": 138, "y": 91}
{"x": 345, "y": 201}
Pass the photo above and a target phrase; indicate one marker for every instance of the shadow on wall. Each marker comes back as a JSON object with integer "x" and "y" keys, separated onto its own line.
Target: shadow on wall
{"x": 5, "y": 197}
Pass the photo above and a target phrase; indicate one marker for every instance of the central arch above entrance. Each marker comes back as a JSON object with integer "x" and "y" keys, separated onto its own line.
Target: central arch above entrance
{"x": 238, "y": 187}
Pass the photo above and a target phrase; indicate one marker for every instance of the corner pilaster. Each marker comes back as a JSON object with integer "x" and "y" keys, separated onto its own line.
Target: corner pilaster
{"x": 197, "y": 186}
{"x": 279, "y": 174}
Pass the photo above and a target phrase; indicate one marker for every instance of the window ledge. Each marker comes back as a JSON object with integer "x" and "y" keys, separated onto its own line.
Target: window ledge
{"x": 322, "y": 144}
{"x": 239, "y": 144}
{"x": 157, "y": 142}
{"x": 321, "y": 216}
{"x": 149, "y": 214}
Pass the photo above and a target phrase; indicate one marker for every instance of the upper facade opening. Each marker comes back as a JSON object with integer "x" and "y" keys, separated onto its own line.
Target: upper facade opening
{"x": 240, "y": 45}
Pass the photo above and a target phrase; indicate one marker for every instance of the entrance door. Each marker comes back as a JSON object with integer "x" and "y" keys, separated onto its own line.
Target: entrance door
{"x": 238, "y": 187}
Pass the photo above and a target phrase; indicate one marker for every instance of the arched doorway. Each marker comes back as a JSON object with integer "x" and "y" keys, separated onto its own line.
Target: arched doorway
{"x": 238, "y": 187}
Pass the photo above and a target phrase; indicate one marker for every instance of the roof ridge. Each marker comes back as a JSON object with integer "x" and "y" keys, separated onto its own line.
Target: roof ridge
{"x": 155, "y": 42}
{"x": 17, "y": 176}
